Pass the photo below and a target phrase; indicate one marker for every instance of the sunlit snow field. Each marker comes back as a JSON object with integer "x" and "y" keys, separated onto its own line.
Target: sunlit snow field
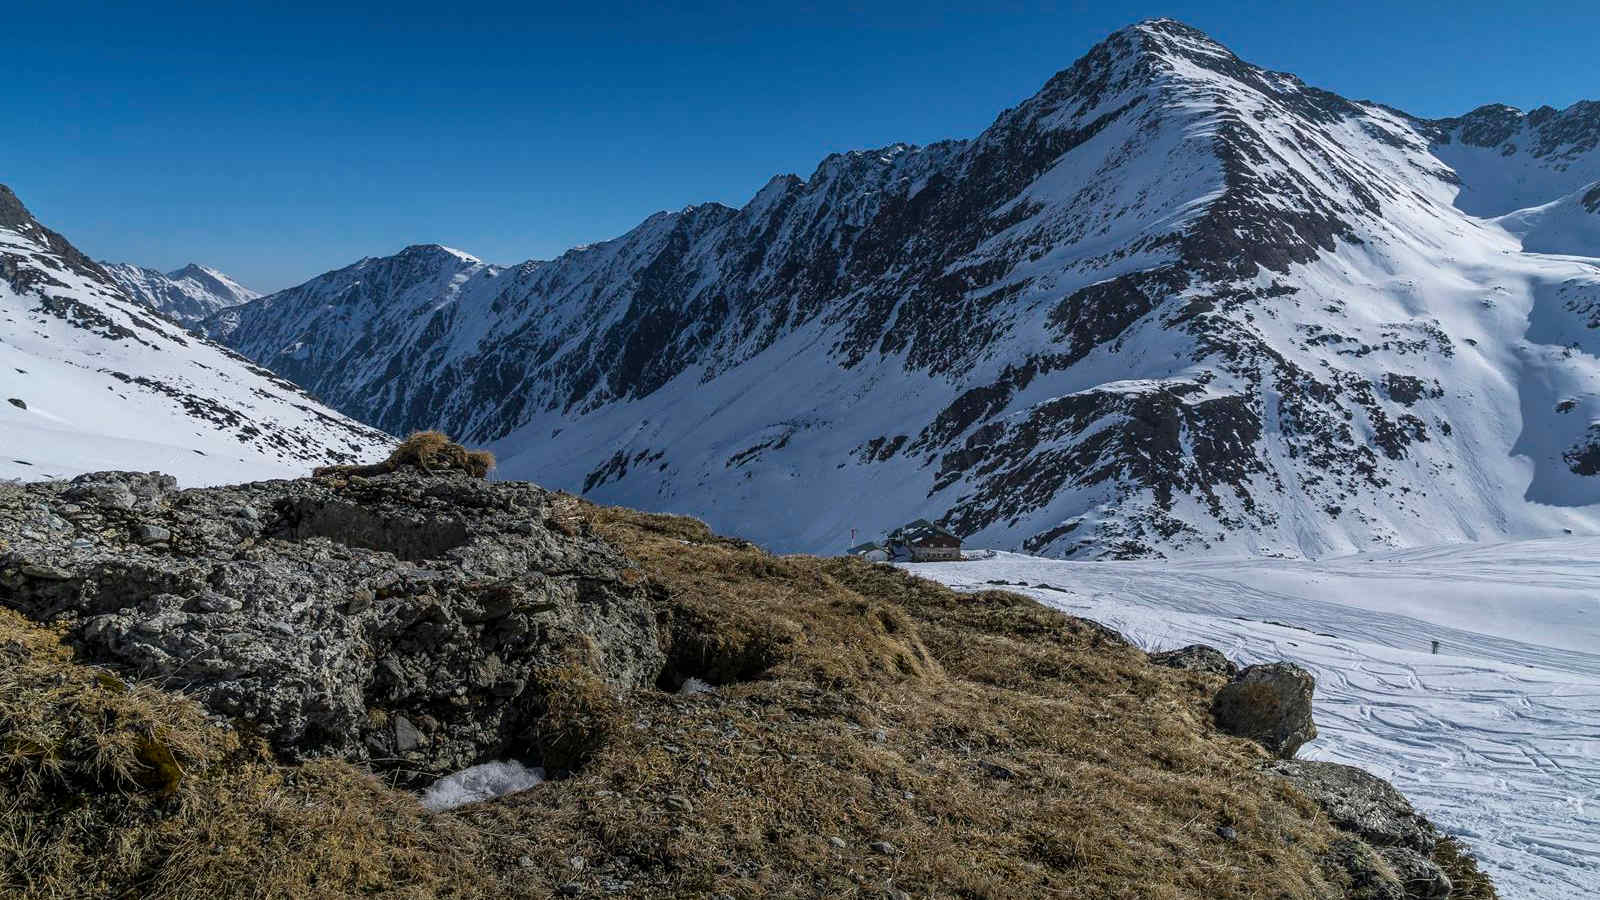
{"x": 1496, "y": 738}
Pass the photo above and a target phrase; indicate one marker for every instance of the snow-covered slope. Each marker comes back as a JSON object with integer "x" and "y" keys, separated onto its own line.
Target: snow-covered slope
{"x": 187, "y": 295}
{"x": 90, "y": 380}
{"x": 1570, "y": 225}
{"x": 1171, "y": 304}
{"x": 1496, "y": 738}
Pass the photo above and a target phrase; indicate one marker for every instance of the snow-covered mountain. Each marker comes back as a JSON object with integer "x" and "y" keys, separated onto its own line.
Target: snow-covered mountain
{"x": 1171, "y": 304}
{"x": 93, "y": 381}
{"x": 187, "y": 295}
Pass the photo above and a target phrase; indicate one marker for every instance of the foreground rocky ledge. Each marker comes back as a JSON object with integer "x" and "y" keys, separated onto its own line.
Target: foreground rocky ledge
{"x": 242, "y": 659}
{"x": 394, "y": 620}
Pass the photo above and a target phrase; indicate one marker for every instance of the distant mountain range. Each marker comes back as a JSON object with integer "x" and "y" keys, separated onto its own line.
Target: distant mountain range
{"x": 91, "y": 380}
{"x": 187, "y": 295}
{"x": 1172, "y": 304}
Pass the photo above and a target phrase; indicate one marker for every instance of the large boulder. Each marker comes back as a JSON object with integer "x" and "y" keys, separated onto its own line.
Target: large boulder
{"x": 409, "y": 620}
{"x": 1271, "y": 705}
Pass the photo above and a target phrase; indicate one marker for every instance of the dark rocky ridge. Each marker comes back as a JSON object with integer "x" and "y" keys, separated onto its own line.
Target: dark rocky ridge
{"x": 15, "y": 216}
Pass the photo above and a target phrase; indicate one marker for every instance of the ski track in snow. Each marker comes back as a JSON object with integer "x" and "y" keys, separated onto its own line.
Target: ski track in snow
{"x": 1496, "y": 738}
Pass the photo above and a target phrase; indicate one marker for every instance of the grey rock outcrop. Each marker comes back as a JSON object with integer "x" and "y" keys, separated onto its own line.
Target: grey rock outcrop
{"x": 399, "y": 620}
{"x": 1360, "y": 802}
{"x": 1371, "y": 810}
{"x": 1197, "y": 658}
{"x": 1271, "y": 705}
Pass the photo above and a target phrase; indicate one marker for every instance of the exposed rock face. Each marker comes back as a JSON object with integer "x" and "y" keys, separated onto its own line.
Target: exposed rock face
{"x": 403, "y": 620}
{"x": 1197, "y": 658}
{"x": 1371, "y": 809}
{"x": 1360, "y": 802}
{"x": 1270, "y": 704}
{"x": 1422, "y": 879}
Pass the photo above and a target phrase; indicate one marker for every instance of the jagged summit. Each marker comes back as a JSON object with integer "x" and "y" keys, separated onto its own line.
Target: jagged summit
{"x": 186, "y": 295}
{"x": 193, "y": 270}
{"x": 12, "y": 212}
{"x": 433, "y": 249}
{"x": 1509, "y": 160}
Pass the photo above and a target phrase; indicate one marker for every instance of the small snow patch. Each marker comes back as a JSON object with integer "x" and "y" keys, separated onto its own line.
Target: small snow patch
{"x": 484, "y": 781}
{"x": 693, "y": 686}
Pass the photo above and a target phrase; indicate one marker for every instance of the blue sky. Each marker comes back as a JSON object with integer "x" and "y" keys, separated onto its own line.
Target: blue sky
{"x": 276, "y": 142}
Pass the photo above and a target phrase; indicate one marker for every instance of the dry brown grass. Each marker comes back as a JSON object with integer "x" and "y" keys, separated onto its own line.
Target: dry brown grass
{"x": 430, "y": 451}
{"x": 129, "y": 791}
{"x": 872, "y": 734}
{"x": 1003, "y": 749}
{"x": 1469, "y": 882}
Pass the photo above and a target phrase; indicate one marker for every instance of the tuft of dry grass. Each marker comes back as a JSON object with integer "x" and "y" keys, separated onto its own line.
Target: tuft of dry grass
{"x": 870, "y": 735}
{"x": 580, "y": 715}
{"x": 430, "y": 451}
{"x": 1469, "y": 883}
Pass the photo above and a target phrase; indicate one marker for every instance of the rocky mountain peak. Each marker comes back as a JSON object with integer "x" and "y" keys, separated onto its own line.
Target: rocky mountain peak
{"x": 12, "y": 213}
{"x": 193, "y": 270}
{"x": 186, "y": 295}
{"x": 14, "y": 216}
{"x": 439, "y": 252}
{"x": 1131, "y": 317}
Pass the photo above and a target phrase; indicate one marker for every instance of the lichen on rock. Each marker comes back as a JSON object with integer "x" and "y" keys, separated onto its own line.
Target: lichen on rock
{"x": 394, "y": 619}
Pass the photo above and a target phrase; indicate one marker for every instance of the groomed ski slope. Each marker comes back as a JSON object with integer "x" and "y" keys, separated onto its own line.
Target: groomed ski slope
{"x": 1496, "y": 738}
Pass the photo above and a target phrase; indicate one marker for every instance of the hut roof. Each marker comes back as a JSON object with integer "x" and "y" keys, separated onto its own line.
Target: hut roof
{"x": 922, "y": 532}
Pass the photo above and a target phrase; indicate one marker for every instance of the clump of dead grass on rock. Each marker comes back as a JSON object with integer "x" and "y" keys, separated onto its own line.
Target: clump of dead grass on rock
{"x": 431, "y": 451}
{"x": 869, "y": 734}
